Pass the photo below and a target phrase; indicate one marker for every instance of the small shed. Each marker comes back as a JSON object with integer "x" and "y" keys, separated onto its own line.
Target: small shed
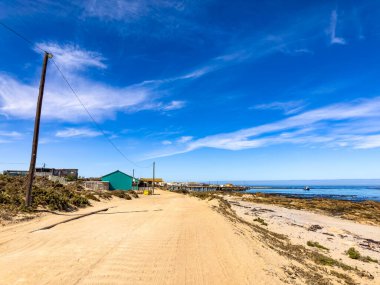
{"x": 119, "y": 180}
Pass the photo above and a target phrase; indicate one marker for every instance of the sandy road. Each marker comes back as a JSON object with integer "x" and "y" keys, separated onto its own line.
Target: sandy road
{"x": 162, "y": 239}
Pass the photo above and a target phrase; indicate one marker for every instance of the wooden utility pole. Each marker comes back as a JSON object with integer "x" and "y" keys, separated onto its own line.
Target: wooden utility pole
{"x": 32, "y": 167}
{"x": 133, "y": 179}
{"x": 154, "y": 173}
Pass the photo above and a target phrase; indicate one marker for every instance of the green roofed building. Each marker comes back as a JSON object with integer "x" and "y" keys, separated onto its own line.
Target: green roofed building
{"x": 120, "y": 181}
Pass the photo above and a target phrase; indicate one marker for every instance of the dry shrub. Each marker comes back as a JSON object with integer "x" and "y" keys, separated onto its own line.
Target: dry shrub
{"x": 133, "y": 193}
{"x": 45, "y": 193}
{"x": 121, "y": 194}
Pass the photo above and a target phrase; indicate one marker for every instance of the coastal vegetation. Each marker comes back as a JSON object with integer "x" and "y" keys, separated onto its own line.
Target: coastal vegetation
{"x": 353, "y": 253}
{"x": 261, "y": 221}
{"x": 316, "y": 244}
{"x": 48, "y": 195}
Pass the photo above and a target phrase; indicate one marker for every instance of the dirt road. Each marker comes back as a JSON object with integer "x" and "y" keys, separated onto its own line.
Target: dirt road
{"x": 162, "y": 239}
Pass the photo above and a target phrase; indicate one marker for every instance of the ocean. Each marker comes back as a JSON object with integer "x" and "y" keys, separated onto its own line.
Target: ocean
{"x": 352, "y": 193}
{"x": 348, "y": 189}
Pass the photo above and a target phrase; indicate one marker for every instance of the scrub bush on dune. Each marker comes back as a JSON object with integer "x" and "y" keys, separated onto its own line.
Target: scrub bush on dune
{"x": 133, "y": 194}
{"x": 121, "y": 194}
{"x": 45, "y": 194}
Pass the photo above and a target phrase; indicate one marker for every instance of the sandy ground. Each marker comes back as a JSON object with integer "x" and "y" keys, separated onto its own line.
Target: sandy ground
{"x": 167, "y": 238}
{"x": 162, "y": 239}
{"x": 337, "y": 234}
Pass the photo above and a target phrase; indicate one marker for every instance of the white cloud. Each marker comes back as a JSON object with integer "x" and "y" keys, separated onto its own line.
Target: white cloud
{"x": 339, "y": 125}
{"x": 368, "y": 142}
{"x": 289, "y": 108}
{"x": 18, "y": 99}
{"x": 72, "y": 57}
{"x": 114, "y": 9}
{"x": 128, "y": 10}
{"x": 174, "y": 105}
{"x": 77, "y": 132}
{"x": 166, "y": 142}
{"x": 10, "y": 134}
{"x": 333, "y": 26}
{"x": 184, "y": 139}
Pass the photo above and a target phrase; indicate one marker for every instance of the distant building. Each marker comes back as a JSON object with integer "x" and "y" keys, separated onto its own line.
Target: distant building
{"x": 119, "y": 180}
{"x": 43, "y": 171}
{"x": 148, "y": 182}
{"x": 15, "y": 172}
{"x": 59, "y": 172}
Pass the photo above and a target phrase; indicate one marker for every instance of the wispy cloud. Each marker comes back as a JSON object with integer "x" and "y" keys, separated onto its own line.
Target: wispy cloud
{"x": 77, "y": 132}
{"x": 174, "y": 105}
{"x": 115, "y": 9}
{"x": 10, "y": 134}
{"x": 102, "y": 100}
{"x": 289, "y": 108}
{"x": 18, "y": 99}
{"x": 73, "y": 57}
{"x": 334, "y": 39}
{"x": 339, "y": 125}
{"x": 184, "y": 139}
{"x": 128, "y": 10}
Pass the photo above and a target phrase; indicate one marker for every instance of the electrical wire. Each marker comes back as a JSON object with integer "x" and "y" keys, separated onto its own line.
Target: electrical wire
{"x": 21, "y": 37}
{"x": 93, "y": 119}
{"x": 75, "y": 94}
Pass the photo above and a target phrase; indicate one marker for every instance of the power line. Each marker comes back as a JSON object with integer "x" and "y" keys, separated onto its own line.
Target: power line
{"x": 76, "y": 95}
{"x": 92, "y": 118}
{"x": 21, "y": 37}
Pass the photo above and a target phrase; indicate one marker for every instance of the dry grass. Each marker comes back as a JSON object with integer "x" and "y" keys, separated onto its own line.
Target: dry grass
{"x": 121, "y": 194}
{"x": 261, "y": 221}
{"x": 133, "y": 194}
{"x": 316, "y": 244}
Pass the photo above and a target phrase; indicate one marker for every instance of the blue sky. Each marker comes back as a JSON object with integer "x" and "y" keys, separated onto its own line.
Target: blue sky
{"x": 210, "y": 90}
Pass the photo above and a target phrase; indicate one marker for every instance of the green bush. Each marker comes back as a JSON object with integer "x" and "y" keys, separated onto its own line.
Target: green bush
{"x": 353, "y": 253}
{"x": 45, "y": 194}
{"x": 316, "y": 244}
{"x": 80, "y": 201}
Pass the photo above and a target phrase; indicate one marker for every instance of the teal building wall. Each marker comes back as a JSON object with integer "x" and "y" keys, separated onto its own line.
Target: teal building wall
{"x": 119, "y": 181}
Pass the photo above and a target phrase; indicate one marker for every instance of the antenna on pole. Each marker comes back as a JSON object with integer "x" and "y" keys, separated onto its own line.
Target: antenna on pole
{"x": 32, "y": 167}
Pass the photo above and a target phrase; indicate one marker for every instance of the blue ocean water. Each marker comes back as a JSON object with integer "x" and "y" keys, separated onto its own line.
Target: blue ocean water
{"x": 352, "y": 193}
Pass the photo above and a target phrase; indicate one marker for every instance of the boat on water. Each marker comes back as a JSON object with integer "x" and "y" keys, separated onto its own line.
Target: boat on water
{"x": 306, "y": 188}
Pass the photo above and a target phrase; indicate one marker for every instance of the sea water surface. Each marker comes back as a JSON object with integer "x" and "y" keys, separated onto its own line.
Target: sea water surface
{"x": 340, "y": 189}
{"x": 352, "y": 193}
